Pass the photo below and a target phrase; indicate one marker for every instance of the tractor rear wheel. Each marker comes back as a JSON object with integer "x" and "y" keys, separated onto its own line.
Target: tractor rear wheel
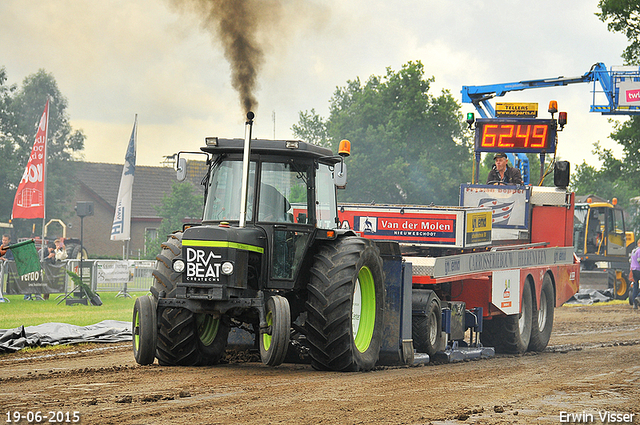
{"x": 145, "y": 330}
{"x": 512, "y": 333}
{"x": 188, "y": 339}
{"x": 184, "y": 338}
{"x": 542, "y": 323}
{"x": 165, "y": 279}
{"x": 274, "y": 341}
{"x": 345, "y": 306}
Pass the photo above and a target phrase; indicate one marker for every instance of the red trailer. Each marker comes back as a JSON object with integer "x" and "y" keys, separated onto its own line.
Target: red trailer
{"x": 505, "y": 256}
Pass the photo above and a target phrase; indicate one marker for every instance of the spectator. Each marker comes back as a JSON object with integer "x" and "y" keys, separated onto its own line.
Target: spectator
{"x": 61, "y": 250}
{"x": 49, "y": 256}
{"x": 49, "y": 253}
{"x": 635, "y": 276}
{"x": 6, "y": 254}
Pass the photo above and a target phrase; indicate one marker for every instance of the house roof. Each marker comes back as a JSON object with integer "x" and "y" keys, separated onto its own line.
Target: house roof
{"x": 149, "y": 185}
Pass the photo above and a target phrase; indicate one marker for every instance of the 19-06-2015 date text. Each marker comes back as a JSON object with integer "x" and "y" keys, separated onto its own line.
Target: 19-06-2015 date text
{"x": 36, "y": 417}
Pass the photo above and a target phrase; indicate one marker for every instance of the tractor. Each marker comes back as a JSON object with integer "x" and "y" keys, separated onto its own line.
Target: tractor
{"x": 268, "y": 257}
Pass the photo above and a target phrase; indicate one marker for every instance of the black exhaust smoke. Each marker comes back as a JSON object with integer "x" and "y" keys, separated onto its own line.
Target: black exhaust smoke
{"x": 234, "y": 23}
{"x": 245, "y": 28}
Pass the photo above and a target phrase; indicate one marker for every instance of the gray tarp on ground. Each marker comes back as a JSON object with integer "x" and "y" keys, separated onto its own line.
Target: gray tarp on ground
{"x": 590, "y": 296}
{"x": 63, "y": 333}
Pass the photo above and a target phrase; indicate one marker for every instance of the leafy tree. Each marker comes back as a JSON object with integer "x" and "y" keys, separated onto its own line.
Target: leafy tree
{"x": 623, "y": 16}
{"x": 20, "y": 112}
{"x": 183, "y": 203}
{"x": 311, "y": 128}
{"x": 607, "y": 182}
{"x": 408, "y": 146}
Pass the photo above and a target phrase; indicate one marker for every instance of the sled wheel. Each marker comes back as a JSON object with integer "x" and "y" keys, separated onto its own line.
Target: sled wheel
{"x": 145, "y": 330}
{"x": 511, "y": 334}
{"x": 345, "y": 306}
{"x": 274, "y": 340}
{"x": 542, "y": 323}
{"x": 427, "y": 329}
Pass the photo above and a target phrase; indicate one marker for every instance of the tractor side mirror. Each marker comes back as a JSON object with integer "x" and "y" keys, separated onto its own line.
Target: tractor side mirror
{"x": 340, "y": 175}
{"x": 181, "y": 170}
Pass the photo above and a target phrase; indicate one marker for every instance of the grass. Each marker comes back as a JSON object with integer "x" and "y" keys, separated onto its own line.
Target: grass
{"x": 29, "y": 313}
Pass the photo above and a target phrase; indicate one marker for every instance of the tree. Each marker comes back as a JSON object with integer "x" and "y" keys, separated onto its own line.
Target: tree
{"x": 311, "y": 128}
{"x": 623, "y": 16}
{"x": 20, "y": 112}
{"x": 408, "y": 146}
{"x": 183, "y": 203}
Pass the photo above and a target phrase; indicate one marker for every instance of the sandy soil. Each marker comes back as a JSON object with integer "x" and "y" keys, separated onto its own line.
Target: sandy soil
{"x": 591, "y": 367}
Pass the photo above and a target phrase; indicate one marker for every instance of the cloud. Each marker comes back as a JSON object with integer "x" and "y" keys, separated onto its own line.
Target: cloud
{"x": 115, "y": 58}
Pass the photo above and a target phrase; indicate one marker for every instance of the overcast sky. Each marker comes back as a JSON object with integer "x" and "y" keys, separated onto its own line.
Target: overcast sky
{"x": 113, "y": 59}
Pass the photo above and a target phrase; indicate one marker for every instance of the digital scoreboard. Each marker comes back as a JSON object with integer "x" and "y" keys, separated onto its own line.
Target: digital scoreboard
{"x": 515, "y": 135}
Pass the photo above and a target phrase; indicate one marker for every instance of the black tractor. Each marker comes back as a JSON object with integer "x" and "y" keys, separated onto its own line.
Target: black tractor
{"x": 269, "y": 257}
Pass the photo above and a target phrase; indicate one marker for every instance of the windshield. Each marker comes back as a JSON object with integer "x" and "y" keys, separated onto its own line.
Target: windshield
{"x": 223, "y": 197}
{"x": 283, "y": 193}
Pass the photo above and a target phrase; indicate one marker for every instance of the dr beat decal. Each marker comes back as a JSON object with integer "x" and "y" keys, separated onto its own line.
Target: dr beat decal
{"x": 202, "y": 265}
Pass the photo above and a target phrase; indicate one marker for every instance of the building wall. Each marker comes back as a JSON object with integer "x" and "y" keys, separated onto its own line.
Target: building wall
{"x": 97, "y": 228}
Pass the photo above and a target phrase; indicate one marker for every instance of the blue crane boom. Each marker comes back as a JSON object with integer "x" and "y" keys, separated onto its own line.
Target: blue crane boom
{"x": 625, "y": 81}
{"x": 621, "y": 88}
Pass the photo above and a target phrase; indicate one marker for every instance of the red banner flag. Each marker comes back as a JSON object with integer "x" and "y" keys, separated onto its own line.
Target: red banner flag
{"x": 29, "y": 200}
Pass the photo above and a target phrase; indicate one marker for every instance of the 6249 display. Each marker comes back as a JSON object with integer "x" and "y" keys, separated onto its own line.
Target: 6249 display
{"x": 515, "y": 135}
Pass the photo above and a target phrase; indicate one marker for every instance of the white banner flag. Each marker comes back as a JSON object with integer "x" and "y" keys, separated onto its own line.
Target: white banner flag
{"x": 121, "y": 229}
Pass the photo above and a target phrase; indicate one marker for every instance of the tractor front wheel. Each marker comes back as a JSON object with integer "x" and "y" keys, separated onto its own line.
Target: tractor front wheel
{"x": 274, "y": 341}
{"x": 145, "y": 330}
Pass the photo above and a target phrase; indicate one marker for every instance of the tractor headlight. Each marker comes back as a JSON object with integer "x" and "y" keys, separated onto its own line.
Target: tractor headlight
{"x": 227, "y": 268}
{"x": 178, "y": 266}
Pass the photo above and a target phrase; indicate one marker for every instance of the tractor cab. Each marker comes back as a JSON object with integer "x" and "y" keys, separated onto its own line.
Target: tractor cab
{"x": 599, "y": 231}
{"x": 602, "y": 244}
{"x": 290, "y": 204}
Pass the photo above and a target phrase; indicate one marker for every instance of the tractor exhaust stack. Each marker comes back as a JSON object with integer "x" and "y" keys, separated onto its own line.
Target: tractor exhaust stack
{"x": 245, "y": 169}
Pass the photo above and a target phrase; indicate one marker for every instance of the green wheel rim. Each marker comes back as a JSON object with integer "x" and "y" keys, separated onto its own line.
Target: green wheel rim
{"x": 136, "y": 331}
{"x": 207, "y": 328}
{"x": 266, "y": 338}
{"x": 363, "y": 309}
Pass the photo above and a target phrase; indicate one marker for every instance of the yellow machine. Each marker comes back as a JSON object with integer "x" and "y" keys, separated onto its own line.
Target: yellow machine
{"x": 603, "y": 244}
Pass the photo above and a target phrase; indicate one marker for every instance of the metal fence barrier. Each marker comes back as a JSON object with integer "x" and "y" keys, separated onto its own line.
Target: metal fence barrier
{"x": 103, "y": 275}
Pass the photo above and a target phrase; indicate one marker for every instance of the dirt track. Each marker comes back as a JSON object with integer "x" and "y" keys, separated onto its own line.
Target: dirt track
{"x": 592, "y": 365}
